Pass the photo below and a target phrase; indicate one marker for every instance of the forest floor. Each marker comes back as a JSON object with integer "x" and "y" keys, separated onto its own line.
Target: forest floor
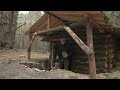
{"x": 10, "y": 68}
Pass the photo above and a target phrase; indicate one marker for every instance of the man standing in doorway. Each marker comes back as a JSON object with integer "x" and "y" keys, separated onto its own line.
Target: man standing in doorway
{"x": 64, "y": 53}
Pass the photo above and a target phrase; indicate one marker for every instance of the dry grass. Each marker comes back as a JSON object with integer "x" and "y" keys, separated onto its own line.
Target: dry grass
{"x": 21, "y": 55}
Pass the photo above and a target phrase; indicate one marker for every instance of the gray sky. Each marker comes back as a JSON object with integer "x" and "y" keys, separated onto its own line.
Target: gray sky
{"x": 26, "y": 12}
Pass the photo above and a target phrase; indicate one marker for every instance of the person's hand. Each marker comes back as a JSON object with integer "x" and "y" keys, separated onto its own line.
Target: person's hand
{"x": 64, "y": 54}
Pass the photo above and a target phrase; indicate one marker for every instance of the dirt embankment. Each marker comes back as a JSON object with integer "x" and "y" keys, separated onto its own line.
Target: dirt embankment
{"x": 11, "y": 69}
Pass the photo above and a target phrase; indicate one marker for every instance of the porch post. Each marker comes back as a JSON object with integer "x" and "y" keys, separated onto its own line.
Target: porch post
{"x": 91, "y": 57}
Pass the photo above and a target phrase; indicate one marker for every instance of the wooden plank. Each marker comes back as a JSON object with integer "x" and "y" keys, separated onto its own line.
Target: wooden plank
{"x": 91, "y": 57}
{"x": 81, "y": 44}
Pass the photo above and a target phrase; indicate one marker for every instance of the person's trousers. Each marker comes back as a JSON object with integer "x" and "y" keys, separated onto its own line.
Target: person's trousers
{"x": 65, "y": 64}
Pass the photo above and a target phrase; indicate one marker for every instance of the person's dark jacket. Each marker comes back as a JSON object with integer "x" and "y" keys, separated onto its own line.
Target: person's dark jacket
{"x": 66, "y": 47}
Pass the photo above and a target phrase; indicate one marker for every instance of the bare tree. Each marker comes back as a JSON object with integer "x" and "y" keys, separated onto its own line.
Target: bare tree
{"x": 8, "y": 25}
{"x": 22, "y": 40}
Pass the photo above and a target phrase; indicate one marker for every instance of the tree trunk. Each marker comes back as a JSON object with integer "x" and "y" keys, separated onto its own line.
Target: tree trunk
{"x": 8, "y": 22}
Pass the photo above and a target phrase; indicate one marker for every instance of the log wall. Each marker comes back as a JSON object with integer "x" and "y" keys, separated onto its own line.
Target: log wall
{"x": 116, "y": 62}
{"x": 103, "y": 47}
{"x": 104, "y": 53}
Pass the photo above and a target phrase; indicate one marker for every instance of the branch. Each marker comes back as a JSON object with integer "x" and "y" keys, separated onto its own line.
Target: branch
{"x": 16, "y": 28}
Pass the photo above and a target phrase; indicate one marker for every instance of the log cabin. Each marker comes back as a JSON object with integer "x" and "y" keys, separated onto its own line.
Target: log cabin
{"x": 89, "y": 32}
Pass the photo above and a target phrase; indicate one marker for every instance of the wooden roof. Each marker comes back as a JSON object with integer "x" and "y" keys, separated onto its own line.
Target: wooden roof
{"x": 41, "y": 24}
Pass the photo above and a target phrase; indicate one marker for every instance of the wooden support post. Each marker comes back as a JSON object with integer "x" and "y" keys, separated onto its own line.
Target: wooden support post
{"x": 110, "y": 51}
{"x": 81, "y": 44}
{"x": 91, "y": 57}
{"x": 31, "y": 42}
{"x": 53, "y": 55}
{"x": 29, "y": 50}
{"x": 52, "y": 51}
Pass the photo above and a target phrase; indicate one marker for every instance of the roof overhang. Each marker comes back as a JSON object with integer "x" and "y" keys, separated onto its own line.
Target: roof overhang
{"x": 59, "y": 18}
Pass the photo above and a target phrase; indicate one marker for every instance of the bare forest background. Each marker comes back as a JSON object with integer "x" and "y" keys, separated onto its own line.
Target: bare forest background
{"x": 22, "y": 41}
{"x": 14, "y": 24}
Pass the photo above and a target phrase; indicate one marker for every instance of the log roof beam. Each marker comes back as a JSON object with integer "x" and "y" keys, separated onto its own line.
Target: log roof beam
{"x": 57, "y": 17}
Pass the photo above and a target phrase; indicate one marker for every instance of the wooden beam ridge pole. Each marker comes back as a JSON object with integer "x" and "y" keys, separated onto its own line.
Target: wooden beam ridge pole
{"x": 81, "y": 44}
{"x": 61, "y": 27}
{"x": 31, "y": 42}
{"x": 91, "y": 57}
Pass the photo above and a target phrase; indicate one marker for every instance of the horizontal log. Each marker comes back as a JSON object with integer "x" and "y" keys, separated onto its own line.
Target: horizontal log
{"x": 59, "y": 28}
{"x": 69, "y": 39}
{"x": 77, "y": 70}
{"x": 85, "y": 70}
{"x": 80, "y": 62}
{"x": 80, "y": 66}
{"x": 117, "y": 47}
{"x": 99, "y": 41}
{"x": 111, "y": 56}
{"x": 86, "y": 61}
{"x": 101, "y": 70}
{"x": 85, "y": 57}
{"x": 110, "y": 50}
{"x": 82, "y": 36}
{"x": 99, "y": 49}
{"x": 101, "y": 63}
{"x": 79, "y": 53}
{"x": 117, "y": 52}
{"x": 78, "y": 32}
{"x": 85, "y": 65}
